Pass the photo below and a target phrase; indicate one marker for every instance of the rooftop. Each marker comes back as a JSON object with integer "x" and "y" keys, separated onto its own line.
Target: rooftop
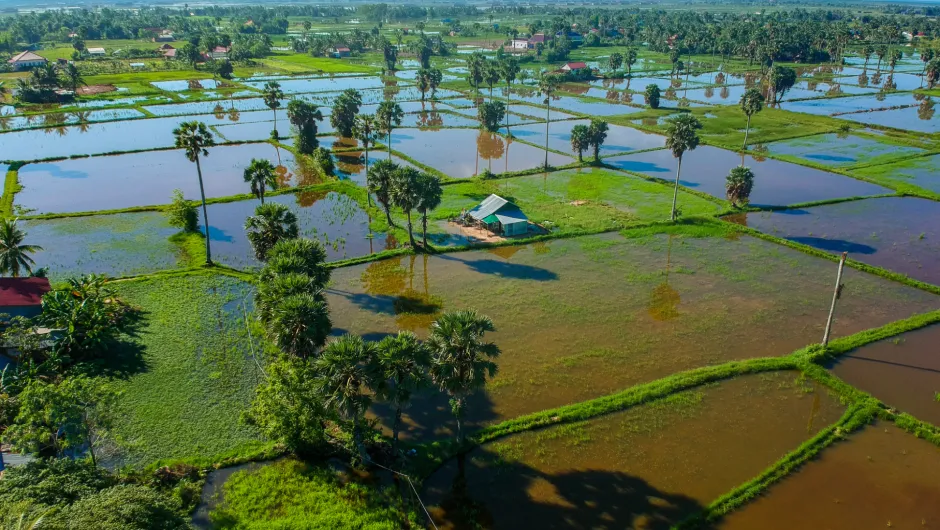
{"x": 26, "y": 56}
{"x": 18, "y": 292}
{"x": 495, "y": 207}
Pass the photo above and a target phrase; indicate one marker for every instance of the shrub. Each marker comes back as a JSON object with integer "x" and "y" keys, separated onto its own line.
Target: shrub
{"x": 182, "y": 214}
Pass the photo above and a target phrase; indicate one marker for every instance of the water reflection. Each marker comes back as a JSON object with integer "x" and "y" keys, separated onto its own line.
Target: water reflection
{"x": 664, "y": 299}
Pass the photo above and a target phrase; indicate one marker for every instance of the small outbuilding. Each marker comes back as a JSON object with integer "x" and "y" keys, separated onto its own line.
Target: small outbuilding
{"x": 571, "y": 67}
{"x": 27, "y": 60}
{"x": 98, "y": 52}
{"x": 500, "y": 216}
{"x": 339, "y": 52}
{"x": 22, "y": 297}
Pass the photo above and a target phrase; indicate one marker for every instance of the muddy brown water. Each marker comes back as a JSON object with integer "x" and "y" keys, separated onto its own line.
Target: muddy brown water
{"x": 644, "y": 468}
{"x": 881, "y": 477}
{"x": 580, "y": 318}
{"x": 903, "y": 371}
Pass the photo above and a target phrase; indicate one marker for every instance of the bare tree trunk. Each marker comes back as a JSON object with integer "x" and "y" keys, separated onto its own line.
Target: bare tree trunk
{"x": 675, "y": 195}
{"x": 389, "y": 143}
{"x": 411, "y": 236}
{"x": 548, "y": 118}
{"x": 424, "y": 222}
{"x": 746, "y": 131}
{"x": 205, "y": 212}
{"x": 835, "y": 296}
{"x": 368, "y": 193}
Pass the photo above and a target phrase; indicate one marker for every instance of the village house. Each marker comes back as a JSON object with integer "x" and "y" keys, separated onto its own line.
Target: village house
{"x": 26, "y": 60}
{"x": 571, "y": 67}
{"x": 500, "y": 216}
{"x": 538, "y": 38}
{"x": 339, "y": 52}
{"x": 22, "y": 297}
{"x": 521, "y": 44}
{"x": 164, "y": 36}
{"x": 219, "y": 53}
{"x": 168, "y": 51}
{"x": 97, "y": 52}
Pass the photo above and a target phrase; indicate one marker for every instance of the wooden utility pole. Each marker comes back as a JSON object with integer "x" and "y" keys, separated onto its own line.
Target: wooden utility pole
{"x": 835, "y": 296}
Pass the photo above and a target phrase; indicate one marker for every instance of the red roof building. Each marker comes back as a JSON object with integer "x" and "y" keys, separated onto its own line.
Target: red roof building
{"x": 22, "y": 296}
{"x": 570, "y": 67}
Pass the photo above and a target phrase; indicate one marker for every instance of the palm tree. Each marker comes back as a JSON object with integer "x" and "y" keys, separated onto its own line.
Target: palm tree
{"x": 580, "y": 137}
{"x": 423, "y": 82}
{"x": 349, "y": 374}
{"x": 300, "y": 324}
{"x": 435, "y": 77}
{"x": 271, "y": 223}
{"x": 389, "y": 115}
{"x": 297, "y": 256}
{"x": 73, "y": 77}
{"x": 403, "y": 361}
{"x": 364, "y": 131}
{"x": 14, "y": 255}
{"x": 461, "y": 360}
{"x": 738, "y": 185}
{"x": 867, "y": 50}
{"x": 195, "y": 139}
{"x": 597, "y": 135}
{"x": 379, "y": 181}
{"x": 681, "y": 137}
{"x": 548, "y": 84}
{"x": 272, "y": 95}
{"x": 260, "y": 175}
{"x": 752, "y": 101}
{"x": 304, "y": 116}
{"x": 430, "y": 194}
{"x": 509, "y": 67}
{"x": 405, "y": 194}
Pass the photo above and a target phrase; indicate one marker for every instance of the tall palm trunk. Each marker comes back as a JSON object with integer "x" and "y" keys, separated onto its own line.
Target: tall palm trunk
{"x": 746, "y": 131}
{"x": 675, "y": 194}
{"x": 205, "y": 212}
{"x": 509, "y": 98}
{"x": 276, "y": 134}
{"x": 424, "y": 223}
{"x": 411, "y": 236}
{"x": 395, "y": 428}
{"x": 389, "y": 143}
{"x": 388, "y": 215}
{"x": 548, "y": 118}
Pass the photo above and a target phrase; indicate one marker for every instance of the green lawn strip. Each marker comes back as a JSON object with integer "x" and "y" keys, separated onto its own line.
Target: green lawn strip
{"x": 192, "y": 247}
{"x": 811, "y": 204}
{"x": 843, "y": 345}
{"x": 864, "y": 267}
{"x": 893, "y": 175}
{"x": 293, "y": 494}
{"x": 10, "y": 188}
{"x": 303, "y": 63}
{"x": 186, "y": 402}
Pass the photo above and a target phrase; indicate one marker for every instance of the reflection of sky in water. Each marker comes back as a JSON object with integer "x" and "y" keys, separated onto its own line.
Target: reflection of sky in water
{"x": 836, "y": 150}
{"x": 619, "y": 139}
{"x": 775, "y": 183}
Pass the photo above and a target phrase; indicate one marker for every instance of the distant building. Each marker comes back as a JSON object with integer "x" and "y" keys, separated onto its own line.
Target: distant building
{"x": 164, "y": 36}
{"x": 27, "y": 60}
{"x": 339, "y": 52}
{"x": 537, "y": 39}
{"x": 573, "y": 36}
{"x": 522, "y": 44}
{"x": 22, "y": 297}
{"x": 99, "y": 52}
{"x": 571, "y": 67}
{"x": 500, "y": 216}
{"x": 219, "y": 52}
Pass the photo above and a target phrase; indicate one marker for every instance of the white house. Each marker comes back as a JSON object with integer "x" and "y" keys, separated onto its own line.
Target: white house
{"x": 522, "y": 44}
{"x": 27, "y": 60}
{"x": 98, "y": 52}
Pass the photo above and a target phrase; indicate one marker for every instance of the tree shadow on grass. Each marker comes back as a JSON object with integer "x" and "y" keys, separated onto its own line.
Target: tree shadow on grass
{"x": 493, "y": 493}
{"x": 123, "y": 357}
{"x": 505, "y": 269}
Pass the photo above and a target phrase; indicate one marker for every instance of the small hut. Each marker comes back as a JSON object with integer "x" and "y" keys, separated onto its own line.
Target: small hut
{"x": 500, "y": 216}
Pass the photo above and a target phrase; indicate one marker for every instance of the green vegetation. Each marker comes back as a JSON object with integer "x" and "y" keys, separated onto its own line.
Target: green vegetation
{"x": 291, "y": 494}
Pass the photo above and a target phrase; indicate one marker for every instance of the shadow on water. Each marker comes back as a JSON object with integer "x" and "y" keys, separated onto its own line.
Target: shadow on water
{"x": 506, "y": 269}
{"x": 519, "y": 496}
{"x": 430, "y": 418}
{"x": 835, "y": 245}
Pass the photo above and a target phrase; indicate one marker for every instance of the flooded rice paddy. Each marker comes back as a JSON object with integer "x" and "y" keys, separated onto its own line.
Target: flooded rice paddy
{"x": 901, "y": 234}
{"x": 96, "y": 138}
{"x": 146, "y": 179}
{"x": 619, "y": 139}
{"x": 881, "y": 477}
{"x": 116, "y": 245}
{"x": 183, "y": 85}
{"x": 637, "y": 468}
{"x": 921, "y": 118}
{"x": 831, "y": 106}
{"x": 351, "y": 165}
{"x": 462, "y": 153}
{"x": 840, "y": 149}
{"x": 903, "y": 372}
{"x": 923, "y": 172}
{"x": 775, "y": 183}
{"x": 669, "y": 304}
{"x": 299, "y": 86}
{"x": 334, "y": 219}
{"x": 56, "y": 120}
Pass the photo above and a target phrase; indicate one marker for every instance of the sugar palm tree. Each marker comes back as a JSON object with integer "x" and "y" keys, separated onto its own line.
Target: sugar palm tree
{"x": 752, "y": 102}
{"x": 14, "y": 255}
{"x": 72, "y": 77}
{"x": 272, "y": 95}
{"x": 405, "y": 194}
{"x": 349, "y": 374}
{"x": 423, "y": 82}
{"x": 379, "y": 182}
{"x": 195, "y": 139}
{"x": 738, "y": 185}
{"x": 389, "y": 115}
{"x": 297, "y": 256}
{"x": 304, "y": 116}
{"x": 271, "y": 223}
{"x": 430, "y": 194}
{"x": 364, "y": 130}
{"x": 404, "y": 362}
{"x": 509, "y": 66}
{"x": 580, "y": 140}
{"x": 597, "y": 135}
{"x": 461, "y": 360}
{"x": 300, "y": 324}
{"x": 548, "y": 84}
{"x": 681, "y": 137}
{"x": 260, "y": 175}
